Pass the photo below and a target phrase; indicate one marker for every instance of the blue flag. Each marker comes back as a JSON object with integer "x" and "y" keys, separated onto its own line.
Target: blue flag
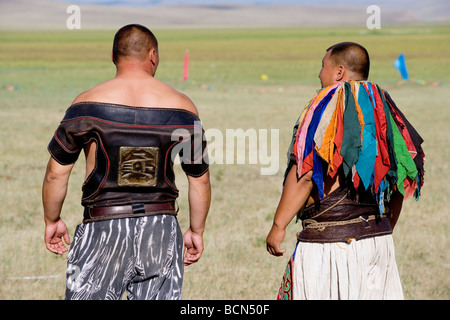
{"x": 400, "y": 65}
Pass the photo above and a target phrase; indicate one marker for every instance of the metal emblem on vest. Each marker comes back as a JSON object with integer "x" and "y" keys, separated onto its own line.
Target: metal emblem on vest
{"x": 138, "y": 166}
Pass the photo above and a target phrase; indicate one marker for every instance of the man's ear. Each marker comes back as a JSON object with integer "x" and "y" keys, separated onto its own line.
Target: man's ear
{"x": 340, "y": 73}
{"x": 153, "y": 57}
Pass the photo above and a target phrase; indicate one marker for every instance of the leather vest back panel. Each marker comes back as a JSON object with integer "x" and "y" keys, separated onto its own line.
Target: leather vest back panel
{"x": 135, "y": 150}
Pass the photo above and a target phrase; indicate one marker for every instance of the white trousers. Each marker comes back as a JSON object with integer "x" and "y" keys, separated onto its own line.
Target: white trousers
{"x": 360, "y": 270}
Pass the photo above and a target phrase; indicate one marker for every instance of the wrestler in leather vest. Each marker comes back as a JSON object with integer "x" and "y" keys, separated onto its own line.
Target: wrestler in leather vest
{"x": 134, "y": 160}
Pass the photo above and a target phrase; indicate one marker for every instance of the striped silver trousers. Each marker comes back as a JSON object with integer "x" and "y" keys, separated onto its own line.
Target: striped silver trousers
{"x": 142, "y": 256}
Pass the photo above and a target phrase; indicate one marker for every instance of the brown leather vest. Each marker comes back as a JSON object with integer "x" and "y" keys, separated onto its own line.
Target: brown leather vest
{"x": 343, "y": 215}
{"x": 135, "y": 151}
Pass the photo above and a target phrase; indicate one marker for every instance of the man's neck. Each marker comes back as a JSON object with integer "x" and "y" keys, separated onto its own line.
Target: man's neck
{"x": 134, "y": 69}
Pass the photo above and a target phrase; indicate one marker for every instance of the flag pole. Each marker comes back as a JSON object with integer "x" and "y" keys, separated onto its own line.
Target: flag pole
{"x": 186, "y": 66}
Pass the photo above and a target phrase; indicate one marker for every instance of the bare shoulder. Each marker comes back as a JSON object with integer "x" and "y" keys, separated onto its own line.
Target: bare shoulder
{"x": 96, "y": 93}
{"x": 177, "y": 99}
{"x": 82, "y": 97}
{"x": 138, "y": 93}
{"x": 187, "y": 104}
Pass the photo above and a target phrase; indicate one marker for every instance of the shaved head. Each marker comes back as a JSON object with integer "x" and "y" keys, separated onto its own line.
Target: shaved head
{"x": 352, "y": 56}
{"x": 133, "y": 41}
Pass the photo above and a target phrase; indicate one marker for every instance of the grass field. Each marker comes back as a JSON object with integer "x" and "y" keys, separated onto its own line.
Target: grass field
{"x": 42, "y": 72}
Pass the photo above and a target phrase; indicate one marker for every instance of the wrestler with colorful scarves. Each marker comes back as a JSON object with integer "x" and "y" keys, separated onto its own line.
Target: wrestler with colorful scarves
{"x": 353, "y": 159}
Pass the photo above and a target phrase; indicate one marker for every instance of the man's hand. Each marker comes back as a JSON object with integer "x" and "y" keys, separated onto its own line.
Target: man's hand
{"x": 199, "y": 200}
{"x": 54, "y": 191}
{"x": 193, "y": 243}
{"x": 274, "y": 240}
{"x": 54, "y": 233}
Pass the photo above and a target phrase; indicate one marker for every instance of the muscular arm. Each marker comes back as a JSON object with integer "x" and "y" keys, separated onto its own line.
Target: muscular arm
{"x": 199, "y": 202}
{"x": 295, "y": 194}
{"x": 54, "y": 191}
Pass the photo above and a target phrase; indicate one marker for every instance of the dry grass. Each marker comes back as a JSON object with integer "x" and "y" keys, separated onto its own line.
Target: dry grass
{"x": 50, "y": 69}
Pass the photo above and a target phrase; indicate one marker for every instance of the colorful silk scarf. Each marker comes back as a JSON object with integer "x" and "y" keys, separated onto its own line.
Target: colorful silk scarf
{"x": 357, "y": 126}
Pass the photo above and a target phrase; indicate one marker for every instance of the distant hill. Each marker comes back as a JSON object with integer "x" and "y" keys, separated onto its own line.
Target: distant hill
{"x": 48, "y": 14}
